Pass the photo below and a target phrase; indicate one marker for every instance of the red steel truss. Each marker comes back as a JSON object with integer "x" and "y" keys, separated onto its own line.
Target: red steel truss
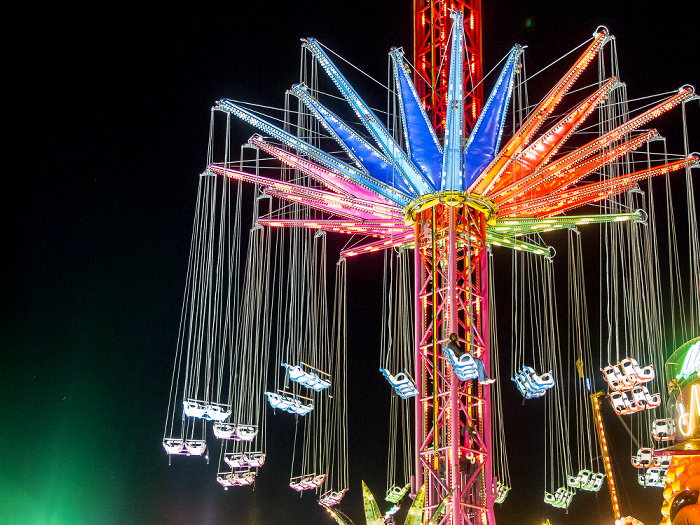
{"x": 452, "y": 417}
{"x": 431, "y": 33}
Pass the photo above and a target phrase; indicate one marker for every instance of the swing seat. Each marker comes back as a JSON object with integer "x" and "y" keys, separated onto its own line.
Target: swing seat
{"x": 278, "y": 401}
{"x": 301, "y": 409}
{"x": 622, "y": 404}
{"x": 236, "y": 460}
{"x": 401, "y": 383}
{"x": 464, "y": 367}
{"x": 615, "y": 378}
{"x": 224, "y": 430}
{"x": 579, "y": 480}
{"x": 635, "y": 373}
{"x": 316, "y": 383}
{"x": 317, "y": 481}
{"x": 664, "y": 429}
{"x": 662, "y": 461}
{"x": 304, "y": 482}
{"x": 330, "y": 498}
{"x": 501, "y": 492}
{"x": 195, "y": 447}
{"x": 561, "y": 499}
{"x": 643, "y": 399}
{"x": 224, "y": 479}
{"x": 239, "y": 478}
{"x": 194, "y": 408}
{"x": 174, "y": 446}
{"x": 289, "y": 404}
{"x": 295, "y": 372}
{"x": 395, "y": 493}
{"x": 537, "y": 382}
{"x": 216, "y": 412}
{"x": 307, "y": 379}
{"x": 644, "y": 458}
{"x": 653, "y": 477}
{"x": 532, "y": 385}
{"x": 255, "y": 459}
{"x": 595, "y": 481}
{"x": 246, "y": 432}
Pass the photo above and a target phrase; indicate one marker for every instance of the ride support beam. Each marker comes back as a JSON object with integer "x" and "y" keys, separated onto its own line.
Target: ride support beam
{"x": 453, "y": 434}
{"x": 431, "y": 37}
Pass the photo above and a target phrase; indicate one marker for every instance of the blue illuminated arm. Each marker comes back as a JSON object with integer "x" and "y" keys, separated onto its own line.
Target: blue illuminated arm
{"x": 485, "y": 138}
{"x": 421, "y": 141}
{"x": 363, "y": 153}
{"x": 383, "y": 138}
{"x": 452, "y": 174}
{"x": 341, "y": 168}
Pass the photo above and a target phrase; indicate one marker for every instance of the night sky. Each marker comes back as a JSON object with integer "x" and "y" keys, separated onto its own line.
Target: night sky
{"x": 97, "y": 240}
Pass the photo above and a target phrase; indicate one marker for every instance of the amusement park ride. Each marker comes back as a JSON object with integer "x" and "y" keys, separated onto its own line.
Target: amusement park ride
{"x": 447, "y": 176}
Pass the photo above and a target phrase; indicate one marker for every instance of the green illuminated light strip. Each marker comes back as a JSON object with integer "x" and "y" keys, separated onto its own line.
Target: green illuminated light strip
{"x": 526, "y": 225}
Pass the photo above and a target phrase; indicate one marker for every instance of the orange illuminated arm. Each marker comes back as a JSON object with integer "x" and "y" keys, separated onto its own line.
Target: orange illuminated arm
{"x": 516, "y": 144}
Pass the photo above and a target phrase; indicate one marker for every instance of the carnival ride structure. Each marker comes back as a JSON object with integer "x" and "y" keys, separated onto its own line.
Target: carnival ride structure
{"x": 450, "y": 198}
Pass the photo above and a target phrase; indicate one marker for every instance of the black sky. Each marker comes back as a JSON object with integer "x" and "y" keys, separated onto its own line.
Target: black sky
{"x": 97, "y": 239}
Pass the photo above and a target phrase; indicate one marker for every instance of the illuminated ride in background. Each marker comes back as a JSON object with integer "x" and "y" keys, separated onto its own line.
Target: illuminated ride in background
{"x": 449, "y": 198}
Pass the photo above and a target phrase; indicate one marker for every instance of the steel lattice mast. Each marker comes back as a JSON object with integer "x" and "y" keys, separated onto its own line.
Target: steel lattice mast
{"x": 431, "y": 32}
{"x": 451, "y": 295}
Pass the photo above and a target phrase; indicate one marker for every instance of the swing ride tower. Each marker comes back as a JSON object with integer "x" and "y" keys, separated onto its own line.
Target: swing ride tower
{"x": 452, "y": 417}
{"x": 439, "y": 182}
{"x": 450, "y": 294}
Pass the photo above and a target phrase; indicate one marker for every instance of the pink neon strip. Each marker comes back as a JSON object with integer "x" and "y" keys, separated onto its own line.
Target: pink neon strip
{"x": 347, "y": 227}
{"x": 334, "y": 202}
{"x": 326, "y": 177}
{"x": 397, "y": 240}
{"x": 327, "y": 206}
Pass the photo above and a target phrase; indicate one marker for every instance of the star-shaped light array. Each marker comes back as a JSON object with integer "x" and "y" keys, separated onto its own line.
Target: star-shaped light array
{"x": 523, "y": 187}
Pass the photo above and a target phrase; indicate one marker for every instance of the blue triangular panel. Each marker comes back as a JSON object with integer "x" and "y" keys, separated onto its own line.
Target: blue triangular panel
{"x": 485, "y": 138}
{"x": 452, "y": 178}
{"x": 423, "y": 145}
{"x": 370, "y": 159}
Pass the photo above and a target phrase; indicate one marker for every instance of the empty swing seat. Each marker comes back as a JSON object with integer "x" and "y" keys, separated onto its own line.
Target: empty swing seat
{"x": 289, "y": 404}
{"x": 622, "y": 404}
{"x": 236, "y": 460}
{"x": 662, "y": 461}
{"x": 401, "y": 383}
{"x": 501, "y": 492}
{"x": 307, "y": 379}
{"x": 304, "y": 482}
{"x": 224, "y": 430}
{"x": 216, "y": 412}
{"x": 246, "y": 432}
{"x": 615, "y": 378}
{"x": 194, "y": 408}
{"x": 531, "y": 384}
{"x": 174, "y": 446}
{"x": 635, "y": 373}
{"x": 464, "y": 367}
{"x": 195, "y": 447}
{"x": 664, "y": 429}
{"x": 395, "y": 493}
{"x": 595, "y": 481}
{"x": 561, "y": 499}
{"x": 644, "y": 458}
{"x": 653, "y": 477}
{"x": 330, "y": 498}
{"x": 580, "y": 479}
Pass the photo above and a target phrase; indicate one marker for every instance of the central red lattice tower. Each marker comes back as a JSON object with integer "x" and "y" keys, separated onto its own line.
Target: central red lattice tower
{"x": 431, "y": 32}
